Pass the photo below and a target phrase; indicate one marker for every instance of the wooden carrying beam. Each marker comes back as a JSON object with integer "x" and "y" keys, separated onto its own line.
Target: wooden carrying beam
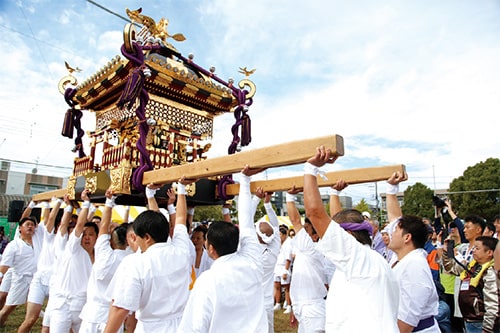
{"x": 352, "y": 176}
{"x": 47, "y": 196}
{"x": 274, "y": 156}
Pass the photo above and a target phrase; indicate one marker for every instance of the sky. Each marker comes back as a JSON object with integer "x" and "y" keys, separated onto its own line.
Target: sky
{"x": 403, "y": 82}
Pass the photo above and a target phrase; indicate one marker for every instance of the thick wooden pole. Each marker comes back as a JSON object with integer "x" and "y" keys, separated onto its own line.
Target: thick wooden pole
{"x": 352, "y": 176}
{"x": 47, "y": 196}
{"x": 274, "y": 156}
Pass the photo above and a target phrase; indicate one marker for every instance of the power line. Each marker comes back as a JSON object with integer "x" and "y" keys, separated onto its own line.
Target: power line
{"x": 37, "y": 164}
{"x": 109, "y": 11}
{"x": 474, "y": 191}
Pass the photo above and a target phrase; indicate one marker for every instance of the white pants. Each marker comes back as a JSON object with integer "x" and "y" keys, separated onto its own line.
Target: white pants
{"x": 311, "y": 316}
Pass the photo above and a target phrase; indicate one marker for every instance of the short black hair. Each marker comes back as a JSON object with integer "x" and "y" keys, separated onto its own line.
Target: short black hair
{"x": 92, "y": 225}
{"x": 476, "y": 219}
{"x": 414, "y": 226}
{"x": 354, "y": 216}
{"x": 490, "y": 225}
{"x": 306, "y": 220}
{"x": 224, "y": 237}
{"x": 152, "y": 223}
{"x": 489, "y": 242}
{"x": 201, "y": 228}
{"x": 121, "y": 233}
{"x": 28, "y": 218}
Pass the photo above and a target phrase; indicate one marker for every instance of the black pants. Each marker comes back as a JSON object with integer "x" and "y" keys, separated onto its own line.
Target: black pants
{"x": 457, "y": 324}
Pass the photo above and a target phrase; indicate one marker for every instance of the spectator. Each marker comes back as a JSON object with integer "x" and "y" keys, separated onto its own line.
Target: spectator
{"x": 473, "y": 228}
{"x": 479, "y": 296}
{"x": 377, "y": 242}
{"x": 387, "y": 252}
{"x": 448, "y": 280}
{"x": 4, "y": 240}
{"x": 362, "y": 295}
{"x": 496, "y": 223}
{"x": 489, "y": 229}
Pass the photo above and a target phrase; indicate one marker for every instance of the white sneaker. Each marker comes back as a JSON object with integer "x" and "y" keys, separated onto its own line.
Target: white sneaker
{"x": 277, "y": 307}
{"x": 288, "y": 309}
{"x": 285, "y": 304}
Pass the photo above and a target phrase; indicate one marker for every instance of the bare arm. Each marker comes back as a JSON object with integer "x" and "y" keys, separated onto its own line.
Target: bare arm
{"x": 172, "y": 211}
{"x": 45, "y": 213}
{"x": 150, "y": 195}
{"x": 312, "y": 199}
{"x": 181, "y": 215}
{"x": 104, "y": 228}
{"x": 53, "y": 215}
{"x": 273, "y": 218}
{"x": 404, "y": 327}
{"x": 335, "y": 205}
{"x": 393, "y": 207}
{"x": 116, "y": 318}
{"x": 68, "y": 211}
{"x": 82, "y": 216}
{"x": 27, "y": 211}
{"x": 293, "y": 212}
{"x": 226, "y": 213}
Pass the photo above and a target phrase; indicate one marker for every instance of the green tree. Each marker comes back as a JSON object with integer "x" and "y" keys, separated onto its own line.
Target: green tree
{"x": 213, "y": 213}
{"x": 473, "y": 186}
{"x": 363, "y": 206}
{"x": 418, "y": 201}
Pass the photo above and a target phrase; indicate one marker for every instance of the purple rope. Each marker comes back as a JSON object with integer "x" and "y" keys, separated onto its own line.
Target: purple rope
{"x": 242, "y": 120}
{"x": 135, "y": 89}
{"x": 221, "y": 189}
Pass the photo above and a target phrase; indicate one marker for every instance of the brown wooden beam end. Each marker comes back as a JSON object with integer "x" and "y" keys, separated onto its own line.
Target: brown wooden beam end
{"x": 47, "y": 196}
{"x": 352, "y": 176}
{"x": 274, "y": 156}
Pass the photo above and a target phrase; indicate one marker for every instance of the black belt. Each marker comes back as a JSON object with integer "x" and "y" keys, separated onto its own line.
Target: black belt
{"x": 424, "y": 323}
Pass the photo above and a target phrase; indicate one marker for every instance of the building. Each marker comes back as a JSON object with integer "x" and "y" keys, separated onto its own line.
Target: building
{"x": 17, "y": 188}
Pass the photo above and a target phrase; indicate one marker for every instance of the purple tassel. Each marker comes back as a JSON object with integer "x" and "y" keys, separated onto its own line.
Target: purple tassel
{"x": 132, "y": 89}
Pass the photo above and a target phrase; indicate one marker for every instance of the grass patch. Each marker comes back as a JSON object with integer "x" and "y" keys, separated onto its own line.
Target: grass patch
{"x": 281, "y": 322}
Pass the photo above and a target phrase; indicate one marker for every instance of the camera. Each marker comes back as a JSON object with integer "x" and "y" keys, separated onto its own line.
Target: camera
{"x": 443, "y": 208}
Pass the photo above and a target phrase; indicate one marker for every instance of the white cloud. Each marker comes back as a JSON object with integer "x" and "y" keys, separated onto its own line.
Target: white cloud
{"x": 402, "y": 82}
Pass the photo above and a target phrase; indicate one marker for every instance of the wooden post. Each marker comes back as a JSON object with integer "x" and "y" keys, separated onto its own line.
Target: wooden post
{"x": 277, "y": 155}
{"x": 352, "y": 176}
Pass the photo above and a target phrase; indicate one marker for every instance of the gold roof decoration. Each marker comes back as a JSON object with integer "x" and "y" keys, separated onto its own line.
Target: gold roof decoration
{"x": 157, "y": 30}
{"x": 154, "y": 108}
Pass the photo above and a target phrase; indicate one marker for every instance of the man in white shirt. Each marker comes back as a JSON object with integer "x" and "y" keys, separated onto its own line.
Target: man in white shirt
{"x": 69, "y": 287}
{"x": 418, "y": 302}
{"x": 21, "y": 256}
{"x": 229, "y": 296}
{"x": 308, "y": 286}
{"x": 363, "y": 294}
{"x": 109, "y": 252}
{"x": 39, "y": 287}
{"x": 156, "y": 282}
{"x": 267, "y": 234}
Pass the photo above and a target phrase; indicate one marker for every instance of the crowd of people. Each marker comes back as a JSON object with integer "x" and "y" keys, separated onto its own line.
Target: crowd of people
{"x": 336, "y": 271}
